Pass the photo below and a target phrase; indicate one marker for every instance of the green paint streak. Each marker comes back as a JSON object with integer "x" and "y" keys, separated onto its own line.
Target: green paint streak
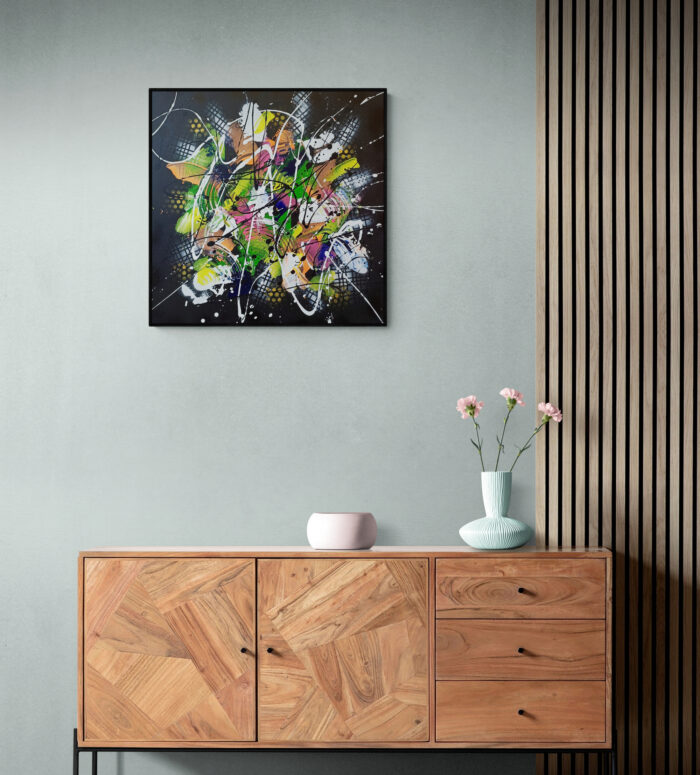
{"x": 342, "y": 168}
{"x": 322, "y": 283}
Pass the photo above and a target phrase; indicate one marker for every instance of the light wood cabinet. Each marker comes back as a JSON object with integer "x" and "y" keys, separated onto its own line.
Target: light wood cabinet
{"x": 543, "y": 650}
{"x": 392, "y": 647}
{"x": 163, "y": 657}
{"x": 515, "y": 588}
{"x": 343, "y": 650}
{"x": 515, "y": 712}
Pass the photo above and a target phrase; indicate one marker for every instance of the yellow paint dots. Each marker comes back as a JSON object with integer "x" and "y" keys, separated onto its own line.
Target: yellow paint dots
{"x": 275, "y": 294}
{"x": 340, "y": 296}
{"x": 182, "y": 272}
{"x": 196, "y": 127}
{"x": 175, "y": 201}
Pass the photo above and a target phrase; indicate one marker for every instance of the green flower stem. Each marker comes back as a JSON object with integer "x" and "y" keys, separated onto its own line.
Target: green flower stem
{"x": 478, "y": 442}
{"x": 527, "y": 443}
{"x": 500, "y": 441}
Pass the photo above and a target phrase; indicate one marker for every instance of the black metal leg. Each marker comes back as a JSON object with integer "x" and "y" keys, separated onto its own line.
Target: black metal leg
{"x": 608, "y": 761}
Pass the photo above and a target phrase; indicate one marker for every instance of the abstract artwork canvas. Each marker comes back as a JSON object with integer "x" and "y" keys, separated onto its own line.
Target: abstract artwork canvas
{"x": 267, "y": 207}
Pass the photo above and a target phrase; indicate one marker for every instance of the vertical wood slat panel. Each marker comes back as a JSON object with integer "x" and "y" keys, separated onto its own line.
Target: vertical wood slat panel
{"x": 695, "y": 677}
{"x": 592, "y": 238}
{"x": 606, "y": 271}
{"x": 567, "y": 264}
{"x": 648, "y": 379}
{"x": 579, "y": 290}
{"x": 550, "y": 534}
{"x": 633, "y": 341}
{"x": 542, "y": 245}
{"x": 660, "y": 569}
{"x": 619, "y": 481}
{"x": 689, "y": 398}
{"x": 617, "y": 331}
{"x": 674, "y": 482}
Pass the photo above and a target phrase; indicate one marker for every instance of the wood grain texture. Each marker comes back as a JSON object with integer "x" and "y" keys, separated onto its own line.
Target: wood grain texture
{"x": 162, "y": 654}
{"x": 619, "y": 82}
{"x": 542, "y": 253}
{"x": 487, "y": 711}
{"x": 523, "y": 588}
{"x": 539, "y": 650}
{"x": 353, "y": 641}
{"x": 402, "y": 552}
{"x": 349, "y": 642}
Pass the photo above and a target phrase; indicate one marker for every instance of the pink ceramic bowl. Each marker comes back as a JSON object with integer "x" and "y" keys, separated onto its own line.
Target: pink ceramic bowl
{"x": 341, "y": 530}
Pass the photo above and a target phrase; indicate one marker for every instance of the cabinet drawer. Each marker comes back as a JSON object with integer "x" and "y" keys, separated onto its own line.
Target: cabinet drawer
{"x": 473, "y": 588}
{"x": 489, "y": 711}
{"x": 541, "y": 650}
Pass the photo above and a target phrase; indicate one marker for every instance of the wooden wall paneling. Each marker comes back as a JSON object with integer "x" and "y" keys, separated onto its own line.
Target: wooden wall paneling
{"x": 542, "y": 171}
{"x": 548, "y": 263}
{"x": 579, "y": 289}
{"x": 695, "y": 678}
{"x": 593, "y": 237}
{"x": 633, "y": 505}
{"x": 567, "y": 264}
{"x": 689, "y": 368}
{"x": 646, "y": 403}
{"x": 607, "y": 275}
{"x": 619, "y": 482}
{"x": 659, "y": 607}
{"x": 674, "y": 403}
{"x": 550, "y": 528}
{"x": 618, "y": 331}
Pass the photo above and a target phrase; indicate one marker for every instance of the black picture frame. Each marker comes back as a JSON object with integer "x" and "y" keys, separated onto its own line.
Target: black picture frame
{"x": 168, "y": 303}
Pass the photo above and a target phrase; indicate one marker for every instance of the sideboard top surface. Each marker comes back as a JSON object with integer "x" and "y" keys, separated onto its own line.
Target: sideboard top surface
{"x": 306, "y": 551}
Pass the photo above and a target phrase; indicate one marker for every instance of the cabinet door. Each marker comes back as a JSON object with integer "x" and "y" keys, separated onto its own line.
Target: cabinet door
{"x": 343, "y": 650}
{"x": 162, "y": 650}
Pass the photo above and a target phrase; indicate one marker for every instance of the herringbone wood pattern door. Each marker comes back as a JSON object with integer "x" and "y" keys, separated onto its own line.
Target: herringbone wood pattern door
{"x": 162, "y": 650}
{"x": 349, "y": 642}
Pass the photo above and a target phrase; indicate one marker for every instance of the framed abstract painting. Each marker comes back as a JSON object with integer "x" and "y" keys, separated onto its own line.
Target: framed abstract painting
{"x": 267, "y": 207}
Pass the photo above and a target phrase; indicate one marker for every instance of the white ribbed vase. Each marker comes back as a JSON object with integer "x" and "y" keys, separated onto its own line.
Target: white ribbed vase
{"x": 496, "y": 530}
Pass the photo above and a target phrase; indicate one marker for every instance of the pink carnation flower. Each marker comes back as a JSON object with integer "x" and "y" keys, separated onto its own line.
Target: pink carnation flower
{"x": 512, "y": 395}
{"x": 550, "y": 411}
{"x": 469, "y": 406}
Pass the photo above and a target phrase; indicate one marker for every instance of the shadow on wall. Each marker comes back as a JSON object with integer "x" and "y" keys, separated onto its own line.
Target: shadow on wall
{"x": 322, "y": 762}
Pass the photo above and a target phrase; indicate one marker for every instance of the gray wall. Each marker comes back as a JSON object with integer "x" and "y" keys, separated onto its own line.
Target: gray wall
{"x": 114, "y": 433}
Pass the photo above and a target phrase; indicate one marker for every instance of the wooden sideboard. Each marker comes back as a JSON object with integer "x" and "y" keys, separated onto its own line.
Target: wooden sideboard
{"x": 395, "y": 647}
